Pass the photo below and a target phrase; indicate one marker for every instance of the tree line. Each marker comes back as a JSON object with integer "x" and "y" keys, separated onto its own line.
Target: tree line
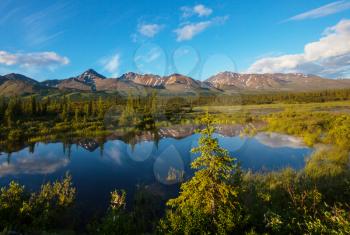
{"x": 67, "y": 108}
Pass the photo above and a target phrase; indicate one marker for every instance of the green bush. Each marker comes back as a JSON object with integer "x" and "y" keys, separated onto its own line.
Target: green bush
{"x": 45, "y": 210}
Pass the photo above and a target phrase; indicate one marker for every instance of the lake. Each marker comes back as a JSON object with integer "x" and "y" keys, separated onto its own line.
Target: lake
{"x": 159, "y": 164}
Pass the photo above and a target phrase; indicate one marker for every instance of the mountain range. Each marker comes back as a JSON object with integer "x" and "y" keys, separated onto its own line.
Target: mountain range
{"x": 224, "y": 82}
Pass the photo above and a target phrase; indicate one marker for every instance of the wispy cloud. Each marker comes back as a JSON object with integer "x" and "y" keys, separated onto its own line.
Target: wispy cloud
{"x": 189, "y": 30}
{"x": 199, "y": 10}
{"x": 33, "y": 60}
{"x": 41, "y": 26}
{"x": 150, "y": 58}
{"x": 112, "y": 64}
{"x": 9, "y": 14}
{"x": 152, "y": 55}
{"x": 149, "y": 30}
{"x": 329, "y": 56}
{"x": 322, "y": 11}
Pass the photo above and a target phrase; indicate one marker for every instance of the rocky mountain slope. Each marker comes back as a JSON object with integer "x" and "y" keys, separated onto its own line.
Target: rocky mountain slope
{"x": 172, "y": 82}
{"x": 91, "y": 81}
{"x": 143, "y": 79}
{"x": 14, "y": 84}
{"x": 274, "y": 82}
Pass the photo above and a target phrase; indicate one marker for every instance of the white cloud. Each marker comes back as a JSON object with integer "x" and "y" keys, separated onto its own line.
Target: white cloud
{"x": 149, "y": 30}
{"x": 202, "y": 10}
{"x": 323, "y": 11}
{"x": 189, "y": 30}
{"x": 199, "y": 10}
{"x": 329, "y": 56}
{"x": 32, "y": 60}
{"x": 112, "y": 64}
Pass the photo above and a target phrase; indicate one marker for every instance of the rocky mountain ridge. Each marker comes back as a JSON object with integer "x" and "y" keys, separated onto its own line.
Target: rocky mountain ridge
{"x": 91, "y": 81}
{"x": 274, "y": 82}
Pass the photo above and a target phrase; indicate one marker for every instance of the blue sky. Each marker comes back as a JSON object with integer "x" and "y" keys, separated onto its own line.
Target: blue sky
{"x": 58, "y": 39}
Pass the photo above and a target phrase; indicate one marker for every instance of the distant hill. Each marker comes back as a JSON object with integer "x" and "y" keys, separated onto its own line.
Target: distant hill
{"x": 18, "y": 84}
{"x": 175, "y": 84}
{"x": 275, "y": 82}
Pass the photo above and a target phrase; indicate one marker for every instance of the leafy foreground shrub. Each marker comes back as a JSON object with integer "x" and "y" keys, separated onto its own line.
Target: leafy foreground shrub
{"x": 290, "y": 202}
{"x": 332, "y": 220}
{"x": 33, "y": 213}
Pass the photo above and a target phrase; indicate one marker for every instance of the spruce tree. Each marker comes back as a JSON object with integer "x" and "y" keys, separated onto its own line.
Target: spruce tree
{"x": 100, "y": 108}
{"x": 2, "y": 107}
{"x": 208, "y": 203}
{"x": 33, "y": 105}
{"x": 76, "y": 115}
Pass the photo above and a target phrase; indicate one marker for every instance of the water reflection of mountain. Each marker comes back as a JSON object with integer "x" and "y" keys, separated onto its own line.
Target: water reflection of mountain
{"x": 134, "y": 137}
{"x": 229, "y": 130}
{"x": 176, "y": 132}
{"x": 88, "y": 144}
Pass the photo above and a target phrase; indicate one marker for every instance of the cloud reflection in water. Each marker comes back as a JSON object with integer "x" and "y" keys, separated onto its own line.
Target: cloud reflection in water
{"x": 276, "y": 140}
{"x": 32, "y": 164}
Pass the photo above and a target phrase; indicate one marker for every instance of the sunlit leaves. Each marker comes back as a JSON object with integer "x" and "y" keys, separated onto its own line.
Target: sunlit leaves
{"x": 38, "y": 211}
{"x": 208, "y": 203}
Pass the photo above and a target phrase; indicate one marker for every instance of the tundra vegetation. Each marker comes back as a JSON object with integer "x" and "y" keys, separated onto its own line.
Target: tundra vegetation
{"x": 220, "y": 198}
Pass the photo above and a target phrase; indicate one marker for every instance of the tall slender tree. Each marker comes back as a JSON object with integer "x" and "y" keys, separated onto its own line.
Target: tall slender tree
{"x": 32, "y": 106}
{"x": 100, "y": 108}
{"x": 208, "y": 203}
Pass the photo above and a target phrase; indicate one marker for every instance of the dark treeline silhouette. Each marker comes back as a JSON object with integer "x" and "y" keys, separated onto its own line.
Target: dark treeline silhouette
{"x": 274, "y": 97}
{"x": 67, "y": 108}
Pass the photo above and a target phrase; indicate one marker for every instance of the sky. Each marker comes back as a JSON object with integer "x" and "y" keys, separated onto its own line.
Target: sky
{"x": 60, "y": 39}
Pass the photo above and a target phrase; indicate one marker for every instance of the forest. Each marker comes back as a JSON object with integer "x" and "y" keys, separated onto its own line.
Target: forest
{"x": 43, "y": 118}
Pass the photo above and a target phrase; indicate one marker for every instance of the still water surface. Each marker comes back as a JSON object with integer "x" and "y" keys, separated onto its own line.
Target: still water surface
{"x": 159, "y": 165}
